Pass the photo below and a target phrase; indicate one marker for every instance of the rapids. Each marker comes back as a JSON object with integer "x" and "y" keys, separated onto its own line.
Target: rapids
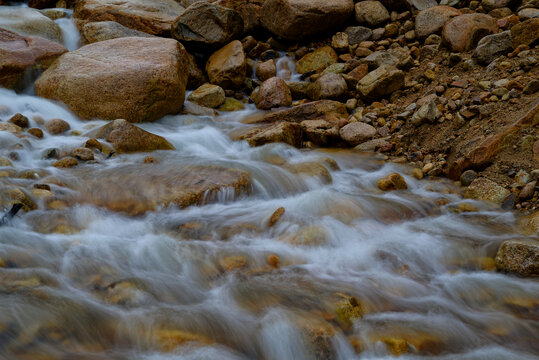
{"x": 348, "y": 272}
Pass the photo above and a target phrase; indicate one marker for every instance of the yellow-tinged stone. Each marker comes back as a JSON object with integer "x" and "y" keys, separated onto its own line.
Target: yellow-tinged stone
{"x": 56, "y": 205}
{"x": 169, "y": 339}
{"x": 230, "y": 263}
{"x": 396, "y": 346}
{"x": 348, "y": 310}
{"x": 313, "y": 235}
{"x": 2, "y": 263}
{"x": 417, "y": 173}
{"x": 393, "y": 181}
{"x": 41, "y": 193}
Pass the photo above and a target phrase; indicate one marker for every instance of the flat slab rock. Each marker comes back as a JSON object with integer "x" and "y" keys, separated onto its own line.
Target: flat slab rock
{"x": 136, "y": 189}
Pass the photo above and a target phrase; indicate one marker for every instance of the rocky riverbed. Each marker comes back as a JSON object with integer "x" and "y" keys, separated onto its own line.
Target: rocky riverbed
{"x": 278, "y": 179}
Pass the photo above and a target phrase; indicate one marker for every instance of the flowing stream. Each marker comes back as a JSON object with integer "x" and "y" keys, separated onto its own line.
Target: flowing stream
{"x": 347, "y": 272}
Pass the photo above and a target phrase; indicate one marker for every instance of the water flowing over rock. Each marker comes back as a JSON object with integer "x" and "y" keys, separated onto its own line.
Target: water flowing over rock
{"x": 29, "y": 22}
{"x": 227, "y": 66}
{"x": 137, "y": 79}
{"x": 296, "y": 19}
{"x": 154, "y": 17}
{"x": 205, "y": 23}
{"x": 18, "y": 53}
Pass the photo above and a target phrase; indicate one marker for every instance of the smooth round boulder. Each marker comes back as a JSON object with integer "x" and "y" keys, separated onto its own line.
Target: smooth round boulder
{"x": 328, "y": 86}
{"x": 297, "y": 19}
{"x": 357, "y": 132}
{"x": 227, "y": 66}
{"x": 273, "y": 93}
{"x": 432, "y": 20}
{"x": 134, "y": 78}
{"x": 29, "y": 22}
{"x": 462, "y": 33}
{"x": 206, "y": 23}
{"x": 266, "y": 70}
{"x": 208, "y": 95}
{"x": 372, "y": 13}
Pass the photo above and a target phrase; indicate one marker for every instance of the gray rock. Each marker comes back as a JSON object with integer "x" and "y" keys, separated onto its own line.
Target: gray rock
{"x": 492, "y": 46}
{"x": 357, "y": 34}
{"x": 467, "y": 177}
{"x": 372, "y": 13}
{"x": 357, "y": 132}
{"x": 428, "y": 112}
{"x": 379, "y": 58}
{"x": 29, "y": 22}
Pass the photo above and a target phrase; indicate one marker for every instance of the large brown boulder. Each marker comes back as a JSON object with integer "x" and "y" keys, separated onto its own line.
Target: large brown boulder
{"x": 525, "y": 33}
{"x": 296, "y": 19}
{"x": 128, "y": 138}
{"x": 136, "y": 189}
{"x": 227, "y": 66}
{"x": 150, "y": 16}
{"x": 249, "y": 11}
{"x": 519, "y": 257}
{"x": 273, "y": 93}
{"x": 486, "y": 190}
{"x": 462, "y": 33}
{"x": 321, "y": 109}
{"x": 18, "y": 53}
{"x": 432, "y": 20}
{"x": 107, "y": 30}
{"x": 29, "y": 22}
{"x": 132, "y": 78}
{"x": 206, "y": 23}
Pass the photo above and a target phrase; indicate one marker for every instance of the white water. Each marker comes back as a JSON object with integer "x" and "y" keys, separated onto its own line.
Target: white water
{"x": 123, "y": 287}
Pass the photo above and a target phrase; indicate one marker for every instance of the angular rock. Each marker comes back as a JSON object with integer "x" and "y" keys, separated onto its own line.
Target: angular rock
{"x": 518, "y": 257}
{"x": 321, "y": 132}
{"x": 297, "y": 19}
{"x": 29, "y": 22}
{"x": 286, "y": 132}
{"x": 66, "y": 162}
{"x": 381, "y": 82}
{"x": 298, "y": 89}
{"x": 490, "y": 5}
{"x": 266, "y": 70}
{"x": 273, "y": 93}
{"x": 249, "y": 11}
{"x": 316, "y": 61}
{"x": 357, "y": 34}
{"x": 309, "y": 111}
{"x": 371, "y": 12}
{"x": 206, "y": 23}
{"x": 19, "y": 120}
{"x": 227, "y": 66}
{"x": 135, "y": 189}
{"x": 381, "y": 58}
{"x": 393, "y": 181}
{"x": 17, "y": 54}
{"x": 106, "y": 30}
{"x": 486, "y": 190}
{"x": 137, "y": 79}
{"x": 128, "y": 138}
{"x": 428, "y": 112}
{"x": 492, "y": 46}
{"x": 432, "y": 20}
{"x": 357, "y": 132}
{"x": 83, "y": 154}
{"x": 154, "y": 17}
{"x": 525, "y": 33}
{"x": 462, "y": 33}
{"x": 328, "y": 86}
{"x": 208, "y": 95}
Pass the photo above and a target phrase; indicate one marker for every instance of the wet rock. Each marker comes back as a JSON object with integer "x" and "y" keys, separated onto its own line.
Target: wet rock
{"x": 38, "y": 133}
{"x": 492, "y": 46}
{"x": 227, "y": 66}
{"x": 462, "y": 33}
{"x": 317, "y": 61}
{"x": 298, "y": 89}
{"x": 167, "y": 340}
{"x": 29, "y": 22}
{"x": 486, "y": 190}
{"x": 154, "y": 17}
{"x": 106, "y": 30}
{"x": 374, "y": 144}
{"x": 13, "y": 195}
{"x": 266, "y": 70}
{"x": 428, "y": 112}
{"x": 138, "y": 79}
{"x": 468, "y": 177}
{"x": 525, "y": 33}
{"x": 12, "y": 128}
{"x": 289, "y": 133}
{"x": 57, "y": 126}
{"x": 347, "y": 310}
{"x": 233, "y": 262}
{"x": 328, "y": 86}
{"x": 357, "y": 34}
{"x": 20, "y": 120}
{"x": 432, "y": 20}
{"x": 207, "y": 23}
{"x": 297, "y": 19}
{"x": 309, "y": 111}
{"x": 321, "y": 132}
{"x": 273, "y": 93}
{"x": 528, "y": 190}
{"x": 66, "y": 162}
{"x": 381, "y": 82}
{"x": 518, "y": 257}
{"x": 357, "y": 132}
{"x": 249, "y": 11}
{"x": 275, "y": 217}
{"x": 231, "y": 104}
{"x": 136, "y": 189}
{"x": 83, "y": 154}
{"x": 208, "y": 95}
{"x": 127, "y": 138}
{"x": 313, "y": 235}
{"x": 370, "y": 12}
{"x": 18, "y": 53}
{"x": 393, "y": 181}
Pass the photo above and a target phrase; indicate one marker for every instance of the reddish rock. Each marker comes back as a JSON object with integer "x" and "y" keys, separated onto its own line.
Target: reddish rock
{"x": 462, "y": 33}
{"x": 525, "y": 33}
{"x": 18, "y": 53}
{"x": 432, "y": 20}
{"x": 273, "y": 93}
